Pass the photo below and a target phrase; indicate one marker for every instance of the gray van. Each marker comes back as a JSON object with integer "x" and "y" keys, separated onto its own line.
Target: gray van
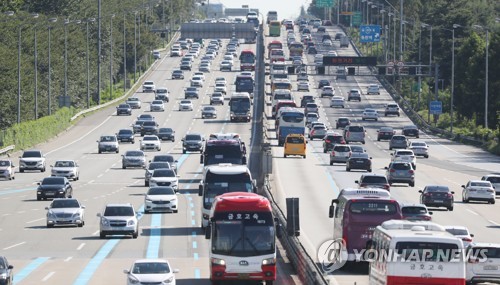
{"x": 354, "y": 133}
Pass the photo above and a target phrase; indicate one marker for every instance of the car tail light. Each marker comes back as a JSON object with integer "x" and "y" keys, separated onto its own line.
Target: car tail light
{"x": 327, "y": 141}
{"x": 467, "y": 239}
{"x": 333, "y": 153}
{"x": 387, "y": 187}
{"x": 392, "y": 170}
{"x": 449, "y": 195}
{"x": 427, "y": 218}
{"x": 350, "y": 153}
{"x": 490, "y": 191}
{"x": 411, "y": 171}
{"x": 473, "y": 260}
{"x": 342, "y": 142}
{"x": 429, "y": 194}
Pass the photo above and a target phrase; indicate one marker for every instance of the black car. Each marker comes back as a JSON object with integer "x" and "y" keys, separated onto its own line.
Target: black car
{"x": 54, "y": 187}
{"x": 338, "y": 36}
{"x": 330, "y": 140}
{"x": 137, "y": 126}
{"x": 306, "y": 99}
{"x": 312, "y": 50}
{"x": 359, "y": 160}
{"x": 191, "y": 92}
{"x": 166, "y": 134}
{"x": 437, "y": 196}
{"x": 321, "y": 29}
{"x": 177, "y": 74}
{"x": 6, "y": 270}
{"x": 123, "y": 109}
{"x": 342, "y": 122}
{"x": 373, "y": 181}
{"x": 323, "y": 82}
{"x": 411, "y": 131}
{"x": 192, "y": 142}
{"x": 149, "y": 128}
{"x": 385, "y": 133}
{"x": 125, "y": 135}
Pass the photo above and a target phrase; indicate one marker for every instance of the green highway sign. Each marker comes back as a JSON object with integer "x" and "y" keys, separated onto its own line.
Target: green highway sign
{"x": 356, "y": 19}
{"x": 324, "y": 3}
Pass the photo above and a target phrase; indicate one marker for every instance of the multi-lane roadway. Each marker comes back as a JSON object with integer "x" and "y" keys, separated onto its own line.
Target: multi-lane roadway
{"x": 315, "y": 182}
{"x": 72, "y": 255}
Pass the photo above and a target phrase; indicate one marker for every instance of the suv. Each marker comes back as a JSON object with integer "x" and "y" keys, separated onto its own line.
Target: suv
{"x": 483, "y": 263}
{"x": 373, "y": 89}
{"x": 306, "y": 99}
{"x": 341, "y": 73}
{"x": 332, "y": 139}
{"x": 354, "y": 94}
{"x": 340, "y": 153}
{"x": 192, "y": 142}
{"x": 354, "y": 134}
{"x": 410, "y": 131}
{"x": 494, "y": 179}
{"x": 7, "y": 169}
{"x": 32, "y": 160}
{"x": 400, "y": 172}
{"x": 327, "y": 91}
{"x": 54, "y": 187}
{"x": 148, "y": 86}
{"x": 118, "y": 219}
{"x": 392, "y": 109}
{"x": 398, "y": 141}
{"x": 108, "y": 144}
{"x": 162, "y": 93}
{"x": 373, "y": 181}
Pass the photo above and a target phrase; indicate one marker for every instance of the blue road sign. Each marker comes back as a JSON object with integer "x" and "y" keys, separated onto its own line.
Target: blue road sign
{"x": 436, "y": 107}
{"x": 369, "y": 33}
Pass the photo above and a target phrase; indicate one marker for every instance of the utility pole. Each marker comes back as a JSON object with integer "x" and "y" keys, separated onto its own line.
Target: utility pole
{"x": 98, "y": 52}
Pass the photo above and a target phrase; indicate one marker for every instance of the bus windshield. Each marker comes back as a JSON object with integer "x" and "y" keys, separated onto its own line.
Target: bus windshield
{"x": 243, "y": 234}
{"x": 292, "y": 117}
{"x": 217, "y": 184}
{"x": 247, "y": 57}
{"x": 216, "y": 154}
{"x": 240, "y": 105}
{"x": 275, "y": 45}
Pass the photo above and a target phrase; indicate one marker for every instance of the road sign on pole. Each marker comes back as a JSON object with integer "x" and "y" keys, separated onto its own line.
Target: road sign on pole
{"x": 325, "y": 3}
{"x": 436, "y": 108}
{"x": 356, "y": 18}
{"x": 369, "y": 33}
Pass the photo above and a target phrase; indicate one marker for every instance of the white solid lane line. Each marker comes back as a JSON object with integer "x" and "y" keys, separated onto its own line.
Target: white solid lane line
{"x": 48, "y": 276}
{"x": 34, "y": 221}
{"x": 14, "y": 245}
{"x": 80, "y": 246}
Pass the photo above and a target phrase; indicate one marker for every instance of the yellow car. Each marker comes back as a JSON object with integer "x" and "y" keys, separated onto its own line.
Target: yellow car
{"x": 295, "y": 144}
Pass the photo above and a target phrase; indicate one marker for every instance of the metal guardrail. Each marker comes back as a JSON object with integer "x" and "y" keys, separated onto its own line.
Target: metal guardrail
{"x": 7, "y": 149}
{"x": 131, "y": 90}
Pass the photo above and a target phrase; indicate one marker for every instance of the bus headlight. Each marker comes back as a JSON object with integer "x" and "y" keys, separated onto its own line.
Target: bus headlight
{"x": 269, "y": 261}
{"x": 218, "y": 261}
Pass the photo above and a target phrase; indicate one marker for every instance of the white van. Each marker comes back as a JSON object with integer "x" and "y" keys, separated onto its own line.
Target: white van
{"x": 318, "y": 59}
{"x": 281, "y": 94}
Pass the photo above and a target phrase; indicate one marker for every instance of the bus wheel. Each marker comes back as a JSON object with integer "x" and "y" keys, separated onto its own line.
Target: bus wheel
{"x": 269, "y": 282}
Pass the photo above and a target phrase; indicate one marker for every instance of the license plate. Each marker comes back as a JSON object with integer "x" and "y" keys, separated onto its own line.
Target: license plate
{"x": 359, "y": 161}
{"x": 438, "y": 201}
{"x": 243, "y": 275}
{"x": 49, "y": 194}
{"x": 490, "y": 267}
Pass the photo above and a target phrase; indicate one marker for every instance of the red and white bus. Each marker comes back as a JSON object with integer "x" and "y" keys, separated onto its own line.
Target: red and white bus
{"x": 247, "y": 60}
{"x": 357, "y": 213}
{"x": 242, "y": 237}
{"x": 416, "y": 252}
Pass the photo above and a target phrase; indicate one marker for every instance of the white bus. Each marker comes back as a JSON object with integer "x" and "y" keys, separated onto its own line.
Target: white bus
{"x": 239, "y": 106}
{"x": 416, "y": 252}
{"x": 223, "y": 178}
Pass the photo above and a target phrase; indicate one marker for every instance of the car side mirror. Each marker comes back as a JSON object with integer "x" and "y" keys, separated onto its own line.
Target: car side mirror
{"x": 208, "y": 231}
{"x": 83, "y": 207}
{"x": 10, "y": 267}
{"x": 386, "y": 167}
{"x": 471, "y": 235}
{"x": 39, "y": 183}
{"x": 331, "y": 211}
{"x": 200, "y": 190}
{"x": 452, "y": 192}
{"x": 356, "y": 181}
{"x": 430, "y": 213}
{"x": 125, "y": 271}
{"x": 98, "y": 214}
{"x": 46, "y": 208}
{"x": 463, "y": 186}
{"x": 175, "y": 271}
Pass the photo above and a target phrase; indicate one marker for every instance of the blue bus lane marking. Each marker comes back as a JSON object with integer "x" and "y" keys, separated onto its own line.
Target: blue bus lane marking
{"x": 23, "y": 273}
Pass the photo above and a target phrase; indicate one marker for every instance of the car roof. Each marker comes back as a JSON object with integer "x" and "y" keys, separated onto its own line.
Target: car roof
{"x": 485, "y": 244}
{"x": 148, "y": 260}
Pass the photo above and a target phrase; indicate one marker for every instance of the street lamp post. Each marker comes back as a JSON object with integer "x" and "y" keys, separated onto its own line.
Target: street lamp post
{"x": 135, "y": 46}
{"x": 430, "y": 44}
{"x": 87, "y": 21}
{"x": 452, "y": 74}
{"x": 390, "y": 14}
{"x": 49, "y": 95}
{"x": 66, "y": 23}
{"x": 124, "y": 55}
{"x": 111, "y": 57}
{"x": 486, "y": 76}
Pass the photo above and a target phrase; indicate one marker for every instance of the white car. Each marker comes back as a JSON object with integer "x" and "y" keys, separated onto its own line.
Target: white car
{"x": 66, "y": 168}
{"x": 483, "y": 263}
{"x": 205, "y": 67}
{"x": 151, "y": 271}
{"x": 332, "y": 53}
{"x": 221, "y": 80}
{"x": 157, "y": 105}
{"x": 148, "y": 86}
{"x": 405, "y": 155}
{"x": 337, "y": 101}
{"x": 164, "y": 177}
{"x": 161, "y": 198}
{"x": 478, "y": 190}
{"x": 228, "y": 58}
{"x": 150, "y": 142}
{"x": 373, "y": 89}
{"x": 370, "y": 114}
{"x": 7, "y": 169}
{"x": 226, "y": 65}
{"x": 65, "y": 211}
{"x": 302, "y": 77}
{"x": 185, "y": 105}
{"x": 494, "y": 179}
{"x": 327, "y": 43}
{"x": 208, "y": 112}
{"x": 220, "y": 87}
{"x": 303, "y": 86}
{"x": 216, "y": 98}
{"x": 196, "y": 81}
{"x": 419, "y": 148}
{"x": 200, "y": 74}
{"x": 175, "y": 52}
{"x": 462, "y": 233}
{"x": 327, "y": 91}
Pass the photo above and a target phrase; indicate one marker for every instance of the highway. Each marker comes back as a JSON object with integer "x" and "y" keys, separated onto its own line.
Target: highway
{"x": 72, "y": 255}
{"x": 315, "y": 182}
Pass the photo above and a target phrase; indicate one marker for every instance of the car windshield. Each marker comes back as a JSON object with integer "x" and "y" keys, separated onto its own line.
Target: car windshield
{"x": 413, "y": 210}
{"x": 124, "y": 106}
{"x": 359, "y": 155}
{"x": 418, "y": 144}
{"x": 385, "y": 130}
{"x": 458, "y": 232}
{"x": 157, "y": 102}
{"x": 370, "y": 111}
{"x": 65, "y": 203}
{"x": 150, "y": 138}
{"x": 480, "y": 184}
{"x": 401, "y": 166}
{"x": 343, "y": 120}
{"x": 53, "y": 181}
{"x": 404, "y": 153}
{"x": 357, "y": 148}
{"x": 165, "y": 130}
{"x": 149, "y": 123}
{"x": 167, "y": 158}
{"x": 208, "y": 108}
{"x": 374, "y": 179}
{"x": 342, "y": 148}
{"x": 185, "y": 102}
{"x": 156, "y": 165}
{"x": 119, "y": 211}
{"x": 193, "y": 138}
{"x": 356, "y": 129}
{"x": 161, "y": 191}
{"x": 191, "y": 89}
{"x": 31, "y": 154}
{"x": 164, "y": 173}
{"x": 64, "y": 164}
{"x": 4, "y": 163}
{"x": 151, "y": 268}
{"x": 133, "y": 99}
{"x": 134, "y": 153}
{"x": 108, "y": 139}
{"x": 398, "y": 138}
{"x": 177, "y": 72}
{"x": 437, "y": 189}
{"x": 125, "y": 132}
